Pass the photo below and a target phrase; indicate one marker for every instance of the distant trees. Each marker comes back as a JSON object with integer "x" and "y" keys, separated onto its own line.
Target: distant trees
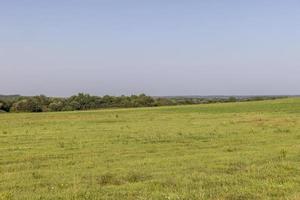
{"x": 232, "y": 99}
{"x": 84, "y": 101}
{"x": 5, "y": 106}
{"x": 164, "y": 102}
{"x": 56, "y": 105}
{"x": 27, "y": 105}
{"x": 80, "y": 101}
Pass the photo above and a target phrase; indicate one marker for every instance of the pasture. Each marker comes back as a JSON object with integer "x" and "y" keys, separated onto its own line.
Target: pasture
{"x": 233, "y": 151}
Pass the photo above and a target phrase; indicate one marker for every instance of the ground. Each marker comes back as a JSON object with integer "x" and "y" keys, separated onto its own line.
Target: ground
{"x": 230, "y": 151}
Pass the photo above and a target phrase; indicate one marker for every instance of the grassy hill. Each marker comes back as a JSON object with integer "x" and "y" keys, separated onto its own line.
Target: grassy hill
{"x": 230, "y": 151}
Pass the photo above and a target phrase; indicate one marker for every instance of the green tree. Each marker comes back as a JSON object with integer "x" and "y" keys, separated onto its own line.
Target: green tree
{"x": 27, "y": 105}
{"x": 56, "y": 106}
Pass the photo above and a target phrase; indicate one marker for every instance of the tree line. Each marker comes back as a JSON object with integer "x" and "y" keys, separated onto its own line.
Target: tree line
{"x": 84, "y": 101}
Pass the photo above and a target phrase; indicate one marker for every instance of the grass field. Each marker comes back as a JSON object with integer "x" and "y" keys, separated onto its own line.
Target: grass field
{"x": 218, "y": 151}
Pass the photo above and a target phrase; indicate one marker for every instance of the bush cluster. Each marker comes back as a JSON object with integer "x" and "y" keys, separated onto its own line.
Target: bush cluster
{"x": 77, "y": 102}
{"x": 83, "y": 101}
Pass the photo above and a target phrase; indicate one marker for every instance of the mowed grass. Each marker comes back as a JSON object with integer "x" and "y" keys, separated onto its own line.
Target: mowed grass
{"x": 220, "y": 151}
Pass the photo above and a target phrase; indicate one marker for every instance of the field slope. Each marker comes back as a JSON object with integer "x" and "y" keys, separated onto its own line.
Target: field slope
{"x": 219, "y": 151}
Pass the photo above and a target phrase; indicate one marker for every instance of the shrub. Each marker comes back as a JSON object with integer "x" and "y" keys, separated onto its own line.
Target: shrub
{"x": 27, "y": 105}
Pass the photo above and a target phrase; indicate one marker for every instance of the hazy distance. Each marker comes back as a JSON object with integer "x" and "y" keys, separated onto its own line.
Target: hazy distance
{"x": 161, "y": 48}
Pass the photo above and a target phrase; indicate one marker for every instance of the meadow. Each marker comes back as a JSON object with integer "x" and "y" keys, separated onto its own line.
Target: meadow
{"x": 234, "y": 151}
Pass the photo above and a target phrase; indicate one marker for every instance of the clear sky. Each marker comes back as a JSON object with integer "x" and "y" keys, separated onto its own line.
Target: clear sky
{"x": 157, "y": 47}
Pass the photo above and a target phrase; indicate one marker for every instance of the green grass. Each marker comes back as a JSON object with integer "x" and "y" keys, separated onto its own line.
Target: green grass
{"x": 220, "y": 151}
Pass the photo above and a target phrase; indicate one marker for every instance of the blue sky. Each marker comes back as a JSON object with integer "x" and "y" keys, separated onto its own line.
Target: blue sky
{"x": 168, "y": 47}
